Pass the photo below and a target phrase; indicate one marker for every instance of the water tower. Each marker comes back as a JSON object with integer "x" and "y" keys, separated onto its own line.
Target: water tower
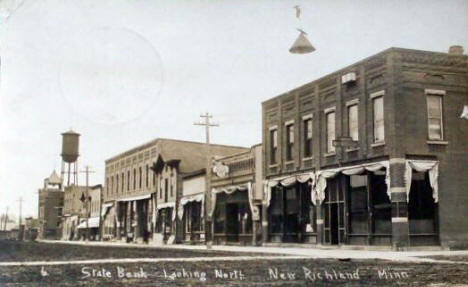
{"x": 70, "y": 147}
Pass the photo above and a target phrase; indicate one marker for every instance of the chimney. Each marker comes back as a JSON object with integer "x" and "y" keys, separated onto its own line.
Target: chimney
{"x": 456, "y": 50}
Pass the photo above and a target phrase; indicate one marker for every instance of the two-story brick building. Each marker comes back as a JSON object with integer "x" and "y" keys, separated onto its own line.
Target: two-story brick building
{"x": 144, "y": 186}
{"x": 373, "y": 154}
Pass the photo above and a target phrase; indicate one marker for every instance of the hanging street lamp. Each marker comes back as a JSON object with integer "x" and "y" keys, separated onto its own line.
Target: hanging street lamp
{"x": 302, "y": 45}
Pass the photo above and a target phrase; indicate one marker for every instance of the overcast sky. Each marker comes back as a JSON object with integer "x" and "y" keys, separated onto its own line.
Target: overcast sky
{"x": 124, "y": 72}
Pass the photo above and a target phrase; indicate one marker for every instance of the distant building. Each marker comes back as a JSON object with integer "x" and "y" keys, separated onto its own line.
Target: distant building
{"x": 72, "y": 211}
{"x": 143, "y": 186}
{"x": 90, "y": 213}
{"x": 236, "y": 197}
{"x": 373, "y": 154}
{"x": 50, "y": 207}
{"x": 31, "y": 228}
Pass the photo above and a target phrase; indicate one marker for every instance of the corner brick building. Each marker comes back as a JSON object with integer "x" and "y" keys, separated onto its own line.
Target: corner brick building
{"x": 373, "y": 154}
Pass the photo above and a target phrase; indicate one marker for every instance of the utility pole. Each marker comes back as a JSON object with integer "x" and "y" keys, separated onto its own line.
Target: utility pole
{"x": 208, "y": 224}
{"x": 5, "y": 219}
{"x": 207, "y": 125}
{"x": 20, "y": 229}
{"x": 86, "y": 199}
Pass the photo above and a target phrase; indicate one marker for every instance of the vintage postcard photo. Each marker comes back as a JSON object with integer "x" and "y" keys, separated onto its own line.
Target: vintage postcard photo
{"x": 233, "y": 143}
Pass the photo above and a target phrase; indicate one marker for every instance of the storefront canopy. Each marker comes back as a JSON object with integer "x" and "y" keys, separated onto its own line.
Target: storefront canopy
{"x": 93, "y": 222}
{"x": 105, "y": 208}
{"x": 192, "y": 198}
{"x": 286, "y": 181}
{"x": 139, "y": 197}
{"x": 318, "y": 195}
{"x": 165, "y": 205}
{"x": 231, "y": 189}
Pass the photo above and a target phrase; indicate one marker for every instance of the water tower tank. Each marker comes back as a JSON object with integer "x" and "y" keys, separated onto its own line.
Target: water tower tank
{"x": 70, "y": 145}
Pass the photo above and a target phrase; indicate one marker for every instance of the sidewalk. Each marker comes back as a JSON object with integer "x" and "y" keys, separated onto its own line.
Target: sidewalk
{"x": 406, "y": 256}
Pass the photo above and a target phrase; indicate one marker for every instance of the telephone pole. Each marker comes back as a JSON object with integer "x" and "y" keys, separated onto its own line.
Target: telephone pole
{"x": 5, "y": 219}
{"x": 207, "y": 125}
{"x": 208, "y": 224}
{"x": 86, "y": 199}
{"x": 20, "y": 229}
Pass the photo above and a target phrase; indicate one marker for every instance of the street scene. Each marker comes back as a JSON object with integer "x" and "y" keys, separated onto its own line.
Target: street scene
{"x": 214, "y": 143}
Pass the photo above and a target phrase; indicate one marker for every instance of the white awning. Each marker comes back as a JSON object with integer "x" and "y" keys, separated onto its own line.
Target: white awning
{"x": 166, "y": 205}
{"x": 139, "y": 197}
{"x": 107, "y": 205}
{"x": 318, "y": 194}
{"x": 230, "y": 189}
{"x": 192, "y": 198}
{"x": 93, "y": 222}
{"x": 286, "y": 181}
{"x": 105, "y": 208}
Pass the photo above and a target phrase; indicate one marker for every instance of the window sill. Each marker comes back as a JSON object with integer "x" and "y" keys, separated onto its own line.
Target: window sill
{"x": 436, "y": 142}
{"x": 273, "y": 165}
{"x": 329, "y": 154}
{"x": 352, "y": 149}
{"x": 308, "y": 158}
{"x": 378, "y": 144}
{"x": 288, "y": 162}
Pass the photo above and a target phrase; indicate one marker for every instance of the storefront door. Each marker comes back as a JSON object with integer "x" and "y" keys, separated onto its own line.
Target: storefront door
{"x": 291, "y": 222}
{"x": 334, "y": 211}
{"x": 232, "y": 222}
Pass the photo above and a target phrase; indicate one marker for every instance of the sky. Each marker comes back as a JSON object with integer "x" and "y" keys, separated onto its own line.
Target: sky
{"x": 123, "y": 72}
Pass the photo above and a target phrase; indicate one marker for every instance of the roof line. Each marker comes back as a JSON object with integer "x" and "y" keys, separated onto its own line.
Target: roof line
{"x": 156, "y": 140}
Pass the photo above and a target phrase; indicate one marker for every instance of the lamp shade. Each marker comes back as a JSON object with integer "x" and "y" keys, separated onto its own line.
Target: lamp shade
{"x": 302, "y": 45}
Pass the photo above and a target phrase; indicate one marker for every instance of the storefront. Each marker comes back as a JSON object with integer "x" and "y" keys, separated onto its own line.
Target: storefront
{"x": 109, "y": 223}
{"x": 234, "y": 215}
{"x": 355, "y": 203}
{"x": 422, "y": 189}
{"x": 89, "y": 228}
{"x": 165, "y": 223}
{"x": 132, "y": 218}
{"x": 357, "y": 206}
{"x": 289, "y": 209}
{"x": 191, "y": 214}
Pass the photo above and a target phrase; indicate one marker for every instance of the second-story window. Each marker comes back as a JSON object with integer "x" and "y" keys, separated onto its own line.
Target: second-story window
{"x": 122, "y": 182}
{"x": 139, "y": 177}
{"x": 134, "y": 179}
{"x": 434, "y": 116}
{"x": 289, "y": 141}
{"x": 308, "y": 137}
{"x": 273, "y": 145}
{"x": 147, "y": 175}
{"x": 330, "y": 118}
{"x": 353, "y": 122}
{"x": 112, "y": 184}
{"x": 378, "y": 113}
{"x": 128, "y": 180}
{"x": 107, "y": 186}
{"x": 166, "y": 189}
{"x": 117, "y": 184}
